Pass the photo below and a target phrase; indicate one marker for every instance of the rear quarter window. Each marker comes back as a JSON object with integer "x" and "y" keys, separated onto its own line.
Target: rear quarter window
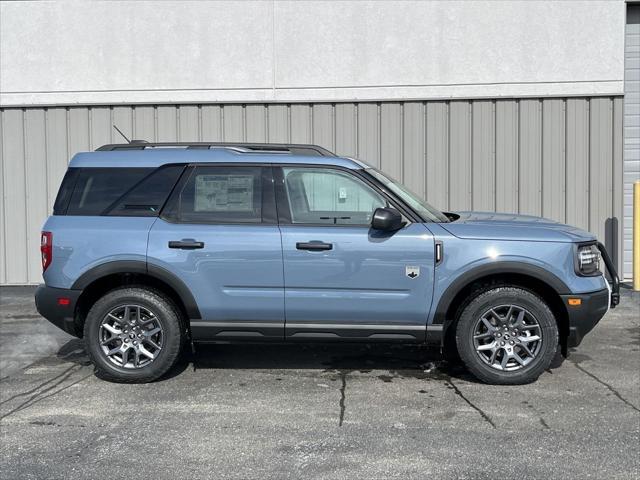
{"x": 96, "y": 189}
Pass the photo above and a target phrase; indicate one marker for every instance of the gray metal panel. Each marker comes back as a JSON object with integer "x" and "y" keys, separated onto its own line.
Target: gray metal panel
{"x": 391, "y": 160}
{"x": 438, "y": 154}
{"x": 553, "y": 159}
{"x": 578, "y": 162}
{"x": 561, "y": 158}
{"x": 483, "y": 183}
{"x": 506, "y": 156}
{"x": 631, "y": 168}
{"x": 460, "y": 156}
{"x": 530, "y": 153}
{"x": 413, "y": 147}
{"x": 35, "y": 151}
{"x": 14, "y": 207}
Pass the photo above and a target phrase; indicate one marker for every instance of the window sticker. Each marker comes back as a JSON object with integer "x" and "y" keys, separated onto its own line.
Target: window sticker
{"x": 224, "y": 193}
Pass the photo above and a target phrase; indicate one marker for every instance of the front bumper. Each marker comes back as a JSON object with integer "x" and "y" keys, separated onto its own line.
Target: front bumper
{"x": 585, "y": 316}
{"x": 58, "y": 305}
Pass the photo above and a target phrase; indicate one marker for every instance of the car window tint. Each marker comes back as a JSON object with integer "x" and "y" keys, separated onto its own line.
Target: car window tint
{"x": 221, "y": 195}
{"x": 327, "y": 196}
{"x": 145, "y": 199}
{"x": 97, "y": 188}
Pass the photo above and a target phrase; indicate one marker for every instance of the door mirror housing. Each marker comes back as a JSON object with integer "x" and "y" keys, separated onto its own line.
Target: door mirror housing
{"x": 387, "y": 220}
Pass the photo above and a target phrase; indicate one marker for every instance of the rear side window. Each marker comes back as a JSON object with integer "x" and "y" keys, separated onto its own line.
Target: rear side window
{"x": 146, "y": 198}
{"x": 97, "y": 188}
{"x": 221, "y": 194}
{"x": 66, "y": 189}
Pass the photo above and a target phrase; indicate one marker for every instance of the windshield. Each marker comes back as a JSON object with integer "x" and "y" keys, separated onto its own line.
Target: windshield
{"x": 421, "y": 207}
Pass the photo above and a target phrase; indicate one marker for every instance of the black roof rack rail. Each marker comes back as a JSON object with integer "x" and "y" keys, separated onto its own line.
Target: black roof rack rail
{"x": 296, "y": 149}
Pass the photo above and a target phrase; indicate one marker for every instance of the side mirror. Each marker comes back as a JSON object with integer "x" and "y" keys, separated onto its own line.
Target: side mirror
{"x": 386, "y": 219}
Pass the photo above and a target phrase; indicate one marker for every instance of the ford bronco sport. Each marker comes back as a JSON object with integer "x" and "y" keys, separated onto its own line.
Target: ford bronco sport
{"x": 152, "y": 246}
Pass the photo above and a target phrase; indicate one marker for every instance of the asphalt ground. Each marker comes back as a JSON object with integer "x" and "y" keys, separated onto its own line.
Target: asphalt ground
{"x": 274, "y": 411}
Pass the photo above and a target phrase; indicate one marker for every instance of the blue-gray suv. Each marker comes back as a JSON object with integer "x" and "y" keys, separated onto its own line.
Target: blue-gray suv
{"x": 153, "y": 246}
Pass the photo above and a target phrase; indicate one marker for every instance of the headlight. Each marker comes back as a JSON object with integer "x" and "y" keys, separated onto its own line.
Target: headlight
{"x": 588, "y": 261}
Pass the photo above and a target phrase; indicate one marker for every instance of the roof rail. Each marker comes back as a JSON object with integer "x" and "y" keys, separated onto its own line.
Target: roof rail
{"x": 294, "y": 148}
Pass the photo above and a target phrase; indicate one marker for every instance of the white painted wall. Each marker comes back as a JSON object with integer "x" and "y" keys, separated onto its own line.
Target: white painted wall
{"x": 153, "y": 51}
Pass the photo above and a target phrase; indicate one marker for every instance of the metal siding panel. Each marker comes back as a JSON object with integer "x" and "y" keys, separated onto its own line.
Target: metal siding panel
{"x": 144, "y": 127}
{"x": 167, "y": 123}
{"x": 212, "y": 123}
{"x": 346, "y": 128}
{"x": 123, "y": 118}
{"x": 507, "y": 156}
{"x": 189, "y": 123}
{"x": 323, "y": 126}
{"x": 3, "y": 243}
{"x": 278, "y": 124}
{"x": 578, "y": 162}
{"x": 57, "y": 153}
{"x": 631, "y": 152}
{"x": 615, "y": 239}
{"x": 530, "y": 171}
{"x": 301, "y": 124}
{"x": 600, "y": 165}
{"x": 15, "y": 191}
{"x": 553, "y": 159}
{"x": 438, "y": 154}
{"x": 233, "y": 123}
{"x": 256, "y": 121}
{"x": 483, "y": 155}
{"x": 78, "y": 119}
{"x": 460, "y": 156}
{"x": 414, "y": 146}
{"x": 36, "y": 188}
{"x": 391, "y": 161}
{"x": 100, "y": 124}
{"x": 368, "y": 142}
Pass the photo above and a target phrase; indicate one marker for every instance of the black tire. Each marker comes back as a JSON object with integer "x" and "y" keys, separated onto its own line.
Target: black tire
{"x": 167, "y": 315}
{"x": 494, "y": 298}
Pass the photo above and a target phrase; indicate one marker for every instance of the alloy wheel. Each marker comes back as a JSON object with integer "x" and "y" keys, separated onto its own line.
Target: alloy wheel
{"x": 507, "y": 337}
{"x": 131, "y": 336}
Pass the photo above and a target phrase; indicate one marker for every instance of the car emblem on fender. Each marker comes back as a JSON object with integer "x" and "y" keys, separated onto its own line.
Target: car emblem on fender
{"x": 412, "y": 272}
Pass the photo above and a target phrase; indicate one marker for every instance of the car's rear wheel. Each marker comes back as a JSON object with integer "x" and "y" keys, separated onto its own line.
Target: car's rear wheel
{"x": 134, "y": 335}
{"x": 507, "y": 335}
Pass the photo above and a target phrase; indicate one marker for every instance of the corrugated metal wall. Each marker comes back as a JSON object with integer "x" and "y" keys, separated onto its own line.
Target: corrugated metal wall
{"x": 561, "y": 158}
{"x": 631, "y": 124}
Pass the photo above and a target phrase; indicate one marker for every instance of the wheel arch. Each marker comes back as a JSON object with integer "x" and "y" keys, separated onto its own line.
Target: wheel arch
{"x": 105, "y": 277}
{"x": 530, "y": 277}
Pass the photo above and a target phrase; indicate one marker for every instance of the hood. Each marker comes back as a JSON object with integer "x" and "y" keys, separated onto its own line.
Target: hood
{"x": 506, "y": 226}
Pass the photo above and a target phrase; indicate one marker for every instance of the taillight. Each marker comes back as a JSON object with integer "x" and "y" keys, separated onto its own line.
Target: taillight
{"x": 46, "y": 249}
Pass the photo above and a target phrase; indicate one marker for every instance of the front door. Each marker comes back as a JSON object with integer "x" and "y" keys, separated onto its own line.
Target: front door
{"x": 344, "y": 280}
{"x": 218, "y": 234}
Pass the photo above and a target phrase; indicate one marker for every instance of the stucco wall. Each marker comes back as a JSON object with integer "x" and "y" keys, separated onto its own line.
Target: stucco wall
{"x": 243, "y": 51}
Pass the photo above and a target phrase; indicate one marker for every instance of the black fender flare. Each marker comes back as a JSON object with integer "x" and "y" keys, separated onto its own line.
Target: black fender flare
{"x": 141, "y": 267}
{"x": 494, "y": 268}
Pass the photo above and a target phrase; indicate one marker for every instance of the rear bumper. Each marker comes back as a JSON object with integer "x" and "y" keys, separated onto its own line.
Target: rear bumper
{"x": 60, "y": 312}
{"x": 584, "y": 317}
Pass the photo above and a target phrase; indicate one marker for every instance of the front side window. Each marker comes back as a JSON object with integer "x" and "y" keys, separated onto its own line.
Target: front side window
{"x": 219, "y": 195}
{"x": 329, "y": 197}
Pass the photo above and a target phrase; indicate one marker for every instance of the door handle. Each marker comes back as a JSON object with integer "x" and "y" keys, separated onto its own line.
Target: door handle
{"x": 186, "y": 244}
{"x": 314, "y": 246}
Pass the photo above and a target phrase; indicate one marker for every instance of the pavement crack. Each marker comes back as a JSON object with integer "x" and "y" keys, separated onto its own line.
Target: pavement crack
{"x": 471, "y": 404}
{"x": 38, "y": 398}
{"x": 611, "y": 389}
{"x": 38, "y": 387}
{"x": 343, "y": 379}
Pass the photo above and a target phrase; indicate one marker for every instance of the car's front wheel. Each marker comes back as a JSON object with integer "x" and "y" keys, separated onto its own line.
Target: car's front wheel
{"x": 133, "y": 335}
{"x": 507, "y": 335}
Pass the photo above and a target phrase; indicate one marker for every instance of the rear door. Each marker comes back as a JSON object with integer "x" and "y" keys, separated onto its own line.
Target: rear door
{"x": 344, "y": 280}
{"x": 219, "y": 235}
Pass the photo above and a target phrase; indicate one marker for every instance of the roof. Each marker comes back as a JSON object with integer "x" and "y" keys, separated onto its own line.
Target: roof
{"x": 157, "y": 156}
